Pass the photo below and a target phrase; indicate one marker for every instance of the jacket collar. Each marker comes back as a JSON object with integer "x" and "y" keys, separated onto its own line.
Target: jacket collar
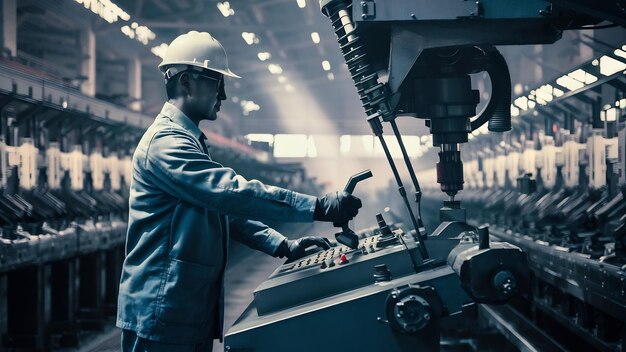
{"x": 173, "y": 113}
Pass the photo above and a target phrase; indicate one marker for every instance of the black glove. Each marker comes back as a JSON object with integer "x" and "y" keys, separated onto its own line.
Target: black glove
{"x": 295, "y": 249}
{"x": 338, "y": 208}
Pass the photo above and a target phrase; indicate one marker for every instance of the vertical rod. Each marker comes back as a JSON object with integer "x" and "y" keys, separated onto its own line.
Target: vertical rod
{"x": 421, "y": 246}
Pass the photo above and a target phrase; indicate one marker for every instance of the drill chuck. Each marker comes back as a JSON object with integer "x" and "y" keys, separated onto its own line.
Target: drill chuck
{"x": 450, "y": 170}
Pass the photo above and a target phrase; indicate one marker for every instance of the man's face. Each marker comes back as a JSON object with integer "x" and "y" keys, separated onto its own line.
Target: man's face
{"x": 207, "y": 94}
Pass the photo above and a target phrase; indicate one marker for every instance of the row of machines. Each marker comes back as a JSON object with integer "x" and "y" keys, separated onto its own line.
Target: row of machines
{"x": 562, "y": 199}
{"x": 394, "y": 288}
{"x": 63, "y": 211}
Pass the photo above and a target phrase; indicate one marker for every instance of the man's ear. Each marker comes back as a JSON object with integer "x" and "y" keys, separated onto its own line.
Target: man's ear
{"x": 184, "y": 84}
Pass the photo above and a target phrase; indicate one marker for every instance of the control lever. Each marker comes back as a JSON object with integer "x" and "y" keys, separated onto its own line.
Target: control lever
{"x": 347, "y": 236}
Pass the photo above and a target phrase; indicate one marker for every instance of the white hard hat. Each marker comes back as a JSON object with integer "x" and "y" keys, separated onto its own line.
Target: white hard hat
{"x": 198, "y": 49}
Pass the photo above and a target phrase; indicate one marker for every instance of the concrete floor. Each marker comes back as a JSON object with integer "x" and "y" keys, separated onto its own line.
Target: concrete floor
{"x": 246, "y": 269}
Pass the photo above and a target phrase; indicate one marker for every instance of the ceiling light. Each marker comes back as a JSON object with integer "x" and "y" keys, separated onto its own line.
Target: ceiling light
{"x": 248, "y": 106}
{"x": 557, "y": 92}
{"x": 544, "y": 93}
{"x": 301, "y": 3}
{"x": 569, "y": 82}
{"x": 250, "y": 38}
{"x": 522, "y": 103}
{"x": 583, "y": 76}
{"x": 330, "y": 76}
{"x": 315, "y": 37}
{"x": 275, "y": 69}
{"x": 159, "y": 50}
{"x": 620, "y": 53}
{"x": 264, "y": 55}
{"x": 326, "y": 65}
{"x": 142, "y": 34}
{"x": 282, "y": 79}
{"x": 610, "y": 66}
{"x": 107, "y": 10}
{"x": 225, "y": 9}
{"x": 289, "y": 88}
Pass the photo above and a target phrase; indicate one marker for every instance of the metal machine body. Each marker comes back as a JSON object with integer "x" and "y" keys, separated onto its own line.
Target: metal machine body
{"x": 396, "y": 305}
{"x": 396, "y": 300}
{"x": 409, "y": 58}
{"x": 364, "y": 310}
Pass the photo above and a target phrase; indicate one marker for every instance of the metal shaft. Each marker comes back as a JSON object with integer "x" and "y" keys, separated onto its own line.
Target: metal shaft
{"x": 421, "y": 231}
{"x": 396, "y": 175}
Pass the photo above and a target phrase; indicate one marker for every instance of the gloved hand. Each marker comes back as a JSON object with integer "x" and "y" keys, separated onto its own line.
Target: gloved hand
{"x": 295, "y": 249}
{"x": 338, "y": 208}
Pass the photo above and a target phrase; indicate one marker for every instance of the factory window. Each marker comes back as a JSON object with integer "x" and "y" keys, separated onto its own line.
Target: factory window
{"x": 261, "y": 137}
{"x": 330, "y": 146}
{"x": 290, "y": 145}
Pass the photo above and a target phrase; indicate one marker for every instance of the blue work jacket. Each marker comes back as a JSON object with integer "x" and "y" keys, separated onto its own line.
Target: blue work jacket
{"x": 182, "y": 208}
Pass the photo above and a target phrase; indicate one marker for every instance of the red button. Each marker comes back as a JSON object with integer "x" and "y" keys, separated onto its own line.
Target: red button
{"x": 343, "y": 259}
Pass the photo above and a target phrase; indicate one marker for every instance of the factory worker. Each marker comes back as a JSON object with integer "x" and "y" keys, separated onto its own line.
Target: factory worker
{"x": 184, "y": 207}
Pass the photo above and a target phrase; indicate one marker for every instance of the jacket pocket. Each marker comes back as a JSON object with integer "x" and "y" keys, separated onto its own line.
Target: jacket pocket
{"x": 189, "y": 294}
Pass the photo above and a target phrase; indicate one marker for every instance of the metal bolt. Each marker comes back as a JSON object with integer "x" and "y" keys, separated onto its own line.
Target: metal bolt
{"x": 426, "y": 316}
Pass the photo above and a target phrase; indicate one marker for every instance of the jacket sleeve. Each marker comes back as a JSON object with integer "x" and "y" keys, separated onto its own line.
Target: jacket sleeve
{"x": 255, "y": 235}
{"x": 182, "y": 170}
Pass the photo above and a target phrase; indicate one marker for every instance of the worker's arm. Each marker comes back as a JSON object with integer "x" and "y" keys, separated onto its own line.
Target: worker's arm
{"x": 261, "y": 237}
{"x": 255, "y": 235}
{"x": 182, "y": 170}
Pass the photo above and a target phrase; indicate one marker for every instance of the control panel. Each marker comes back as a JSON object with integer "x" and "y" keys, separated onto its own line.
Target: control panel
{"x": 338, "y": 269}
{"x": 339, "y": 255}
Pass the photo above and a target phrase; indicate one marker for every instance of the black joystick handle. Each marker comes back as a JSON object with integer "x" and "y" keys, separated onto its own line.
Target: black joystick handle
{"x": 354, "y": 179}
{"x": 347, "y": 236}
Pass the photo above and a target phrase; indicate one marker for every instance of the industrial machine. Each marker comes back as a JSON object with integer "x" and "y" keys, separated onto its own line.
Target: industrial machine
{"x": 395, "y": 290}
{"x": 395, "y": 300}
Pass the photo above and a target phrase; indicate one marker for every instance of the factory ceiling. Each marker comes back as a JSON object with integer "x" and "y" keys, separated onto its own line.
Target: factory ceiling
{"x": 294, "y": 79}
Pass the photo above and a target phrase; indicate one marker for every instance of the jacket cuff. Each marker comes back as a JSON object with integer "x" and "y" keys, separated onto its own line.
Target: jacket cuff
{"x": 282, "y": 250}
{"x": 273, "y": 242}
